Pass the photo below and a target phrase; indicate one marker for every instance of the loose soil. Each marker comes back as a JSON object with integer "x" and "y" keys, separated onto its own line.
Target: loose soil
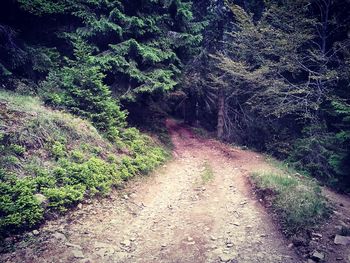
{"x": 174, "y": 215}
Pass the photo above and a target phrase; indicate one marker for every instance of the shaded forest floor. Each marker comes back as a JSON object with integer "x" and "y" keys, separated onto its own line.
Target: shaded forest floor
{"x": 199, "y": 207}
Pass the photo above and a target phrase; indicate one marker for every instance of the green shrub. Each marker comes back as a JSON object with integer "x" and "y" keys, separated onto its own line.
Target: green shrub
{"x": 18, "y": 206}
{"x": 77, "y": 156}
{"x": 58, "y": 150}
{"x": 95, "y": 174}
{"x": 17, "y": 149}
{"x": 61, "y": 197}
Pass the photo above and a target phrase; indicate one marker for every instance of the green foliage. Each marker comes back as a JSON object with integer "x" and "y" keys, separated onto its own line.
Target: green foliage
{"x": 68, "y": 161}
{"x": 18, "y": 205}
{"x": 281, "y": 73}
{"x": 60, "y": 197}
{"x": 58, "y": 150}
{"x": 297, "y": 200}
{"x": 80, "y": 89}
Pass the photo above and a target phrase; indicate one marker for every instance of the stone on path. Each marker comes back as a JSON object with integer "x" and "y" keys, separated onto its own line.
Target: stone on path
{"x": 78, "y": 253}
{"x": 59, "y": 236}
{"x": 226, "y": 257}
{"x": 318, "y": 256}
{"x": 341, "y": 240}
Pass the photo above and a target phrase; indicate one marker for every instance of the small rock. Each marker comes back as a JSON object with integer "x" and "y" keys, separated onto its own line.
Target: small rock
{"x": 229, "y": 245}
{"x": 126, "y": 243}
{"x": 100, "y": 245}
{"x": 236, "y": 224}
{"x": 339, "y": 258}
{"x": 318, "y": 256}
{"x": 80, "y": 206}
{"x": 59, "y": 236}
{"x": 189, "y": 239}
{"x": 126, "y": 197}
{"x": 35, "y": 232}
{"x": 73, "y": 245}
{"x": 213, "y": 238}
{"x": 290, "y": 245}
{"x": 316, "y": 235}
{"x": 78, "y": 253}
{"x": 163, "y": 245}
{"x": 341, "y": 240}
{"x": 226, "y": 258}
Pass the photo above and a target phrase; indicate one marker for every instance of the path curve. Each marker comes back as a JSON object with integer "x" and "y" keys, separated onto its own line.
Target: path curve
{"x": 196, "y": 208}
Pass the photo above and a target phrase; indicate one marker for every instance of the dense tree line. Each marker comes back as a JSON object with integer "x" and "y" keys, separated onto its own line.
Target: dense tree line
{"x": 278, "y": 81}
{"x": 273, "y": 75}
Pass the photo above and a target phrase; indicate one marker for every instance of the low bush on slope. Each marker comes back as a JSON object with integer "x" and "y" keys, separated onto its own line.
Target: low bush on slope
{"x": 50, "y": 160}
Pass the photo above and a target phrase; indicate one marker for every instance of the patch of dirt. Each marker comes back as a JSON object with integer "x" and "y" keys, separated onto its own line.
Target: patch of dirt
{"x": 170, "y": 216}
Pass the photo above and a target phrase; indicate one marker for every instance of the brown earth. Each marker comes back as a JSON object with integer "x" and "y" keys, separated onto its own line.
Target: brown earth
{"x": 197, "y": 208}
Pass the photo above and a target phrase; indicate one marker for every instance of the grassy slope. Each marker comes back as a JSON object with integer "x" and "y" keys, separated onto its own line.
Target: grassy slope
{"x": 50, "y": 160}
{"x": 296, "y": 199}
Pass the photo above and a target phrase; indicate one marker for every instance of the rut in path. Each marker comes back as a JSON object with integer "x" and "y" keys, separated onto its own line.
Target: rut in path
{"x": 174, "y": 215}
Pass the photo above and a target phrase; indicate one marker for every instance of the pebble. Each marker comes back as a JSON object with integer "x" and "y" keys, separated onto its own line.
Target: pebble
{"x": 318, "y": 256}
{"x": 73, "y": 245}
{"x": 213, "y": 238}
{"x": 78, "y": 254}
{"x": 189, "y": 239}
{"x": 35, "y": 232}
{"x": 341, "y": 240}
{"x": 226, "y": 257}
{"x": 316, "y": 235}
{"x": 126, "y": 243}
{"x": 59, "y": 236}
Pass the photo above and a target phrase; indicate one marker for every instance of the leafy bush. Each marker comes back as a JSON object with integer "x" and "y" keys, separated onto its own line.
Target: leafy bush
{"x": 18, "y": 206}
{"x": 58, "y": 150}
{"x": 95, "y": 174}
{"x": 60, "y": 197}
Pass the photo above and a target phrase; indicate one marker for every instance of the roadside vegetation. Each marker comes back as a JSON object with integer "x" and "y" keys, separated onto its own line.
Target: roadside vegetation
{"x": 296, "y": 199}
{"x": 207, "y": 173}
{"x": 51, "y": 160}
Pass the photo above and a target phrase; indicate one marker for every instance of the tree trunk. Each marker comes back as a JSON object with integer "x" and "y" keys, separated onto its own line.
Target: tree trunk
{"x": 221, "y": 110}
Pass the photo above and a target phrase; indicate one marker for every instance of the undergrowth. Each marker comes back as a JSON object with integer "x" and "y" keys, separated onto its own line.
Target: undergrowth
{"x": 296, "y": 199}
{"x": 51, "y": 160}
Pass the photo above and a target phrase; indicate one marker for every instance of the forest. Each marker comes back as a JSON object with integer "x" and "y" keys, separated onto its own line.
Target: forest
{"x": 86, "y": 87}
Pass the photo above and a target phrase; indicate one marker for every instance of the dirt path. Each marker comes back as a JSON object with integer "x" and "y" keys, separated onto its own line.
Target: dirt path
{"x": 197, "y": 208}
